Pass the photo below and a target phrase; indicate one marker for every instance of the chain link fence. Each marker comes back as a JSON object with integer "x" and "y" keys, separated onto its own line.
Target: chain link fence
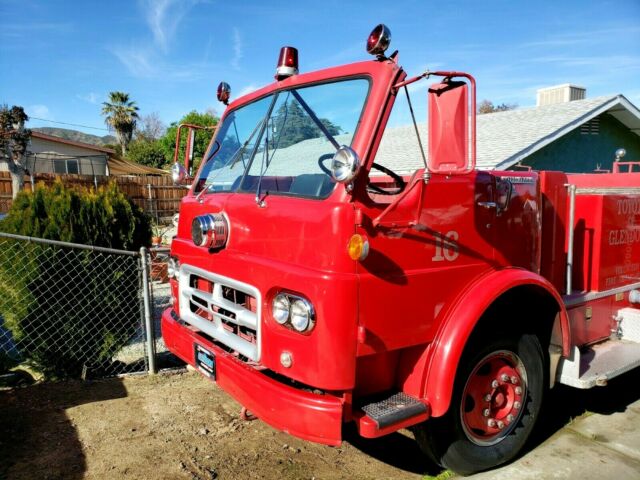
{"x": 77, "y": 311}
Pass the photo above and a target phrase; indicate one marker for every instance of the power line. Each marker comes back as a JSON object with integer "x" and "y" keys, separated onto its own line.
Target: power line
{"x": 71, "y": 124}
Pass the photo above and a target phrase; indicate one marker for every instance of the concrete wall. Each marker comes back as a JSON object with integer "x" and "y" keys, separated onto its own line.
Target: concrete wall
{"x": 579, "y": 152}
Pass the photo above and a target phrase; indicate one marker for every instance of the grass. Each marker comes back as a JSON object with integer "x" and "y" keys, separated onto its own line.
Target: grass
{"x": 444, "y": 475}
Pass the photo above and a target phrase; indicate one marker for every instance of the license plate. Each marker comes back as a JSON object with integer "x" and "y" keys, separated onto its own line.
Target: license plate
{"x": 205, "y": 361}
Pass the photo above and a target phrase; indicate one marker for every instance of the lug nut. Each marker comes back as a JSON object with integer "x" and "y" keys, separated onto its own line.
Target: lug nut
{"x": 500, "y": 424}
{"x": 487, "y": 397}
{"x": 518, "y": 391}
{"x": 504, "y": 377}
{"x": 516, "y": 405}
{"x": 514, "y": 380}
{"x": 491, "y": 423}
{"x": 495, "y": 384}
{"x": 486, "y": 412}
{"x": 509, "y": 418}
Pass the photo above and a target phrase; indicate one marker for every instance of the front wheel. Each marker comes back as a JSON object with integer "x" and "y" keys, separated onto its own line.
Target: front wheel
{"x": 496, "y": 401}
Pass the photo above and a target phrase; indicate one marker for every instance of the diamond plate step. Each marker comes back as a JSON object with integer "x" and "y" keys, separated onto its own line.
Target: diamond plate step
{"x": 629, "y": 325}
{"x": 595, "y": 365}
{"x": 394, "y": 409}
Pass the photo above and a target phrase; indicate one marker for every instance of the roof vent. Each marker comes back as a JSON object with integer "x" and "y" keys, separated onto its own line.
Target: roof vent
{"x": 560, "y": 94}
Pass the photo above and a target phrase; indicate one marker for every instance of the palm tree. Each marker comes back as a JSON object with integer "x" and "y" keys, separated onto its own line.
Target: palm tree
{"x": 120, "y": 115}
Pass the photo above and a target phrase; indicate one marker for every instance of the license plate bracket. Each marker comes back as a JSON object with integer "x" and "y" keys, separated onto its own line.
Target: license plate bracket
{"x": 205, "y": 361}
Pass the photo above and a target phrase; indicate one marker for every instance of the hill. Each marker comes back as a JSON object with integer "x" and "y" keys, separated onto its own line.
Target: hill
{"x": 76, "y": 136}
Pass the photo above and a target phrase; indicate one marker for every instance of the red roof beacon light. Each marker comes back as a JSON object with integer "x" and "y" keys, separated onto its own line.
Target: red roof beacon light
{"x": 379, "y": 40}
{"x": 224, "y": 92}
{"x": 287, "y": 63}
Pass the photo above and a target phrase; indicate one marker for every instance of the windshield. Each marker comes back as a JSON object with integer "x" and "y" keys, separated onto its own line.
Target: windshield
{"x": 283, "y": 143}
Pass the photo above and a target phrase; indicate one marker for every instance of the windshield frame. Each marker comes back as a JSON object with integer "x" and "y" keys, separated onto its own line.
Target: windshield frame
{"x": 210, "y": 152}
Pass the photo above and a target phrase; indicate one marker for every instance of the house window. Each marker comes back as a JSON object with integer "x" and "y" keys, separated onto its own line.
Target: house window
{"x": 66, "y": 166}
{"x": 72, "y": 167}
{"x": 59, "y": 166}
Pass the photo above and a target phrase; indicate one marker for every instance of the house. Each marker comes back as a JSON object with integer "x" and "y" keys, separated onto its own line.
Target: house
{"x": 565, "y": 131}
{"x": 50, "y": 154}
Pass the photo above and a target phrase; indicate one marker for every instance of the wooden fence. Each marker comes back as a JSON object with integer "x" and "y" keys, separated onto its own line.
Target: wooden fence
{"x": 157, "y": 196}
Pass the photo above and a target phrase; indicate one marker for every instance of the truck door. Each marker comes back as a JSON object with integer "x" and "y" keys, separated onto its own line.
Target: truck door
{"x": 413, "y": 272}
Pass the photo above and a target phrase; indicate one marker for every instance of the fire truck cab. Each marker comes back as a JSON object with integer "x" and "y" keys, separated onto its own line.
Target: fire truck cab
{"x": 319, "y": 288}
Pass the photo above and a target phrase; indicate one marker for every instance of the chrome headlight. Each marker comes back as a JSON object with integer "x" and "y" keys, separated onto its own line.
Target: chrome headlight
{"x": 301, "y": 314}
{"x": 293, "y": 311}
{"x": 173, "y": 267}
{"x": 345, "y": 164}
{"x": 210, "y": 230}
{"x": 280, "y": 308}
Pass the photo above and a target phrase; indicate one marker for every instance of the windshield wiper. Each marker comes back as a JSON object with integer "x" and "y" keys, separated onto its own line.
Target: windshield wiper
{"x": 315, "y": 119}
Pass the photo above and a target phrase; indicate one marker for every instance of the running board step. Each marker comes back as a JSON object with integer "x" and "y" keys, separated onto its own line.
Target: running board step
{"x": 595, "y": 365}
{"x": 394, "y": 409}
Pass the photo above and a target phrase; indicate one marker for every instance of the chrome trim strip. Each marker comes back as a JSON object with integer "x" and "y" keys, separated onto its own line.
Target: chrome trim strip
{"x": 579, "y": 298}
{"x": 215, "y": 328}
{"x": 607, "y": 191}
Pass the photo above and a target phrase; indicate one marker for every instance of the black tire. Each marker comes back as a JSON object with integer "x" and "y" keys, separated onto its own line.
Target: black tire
{"x": 452, "y": 442}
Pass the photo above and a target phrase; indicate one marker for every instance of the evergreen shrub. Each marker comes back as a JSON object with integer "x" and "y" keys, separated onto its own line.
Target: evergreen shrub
{"x": 71, "y": 308}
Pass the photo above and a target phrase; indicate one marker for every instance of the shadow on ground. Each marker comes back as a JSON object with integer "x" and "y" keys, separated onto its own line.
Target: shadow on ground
{"x": 37, "y": 439}
{"x": 398, "y": 450}
{"x": 563, "y": 404}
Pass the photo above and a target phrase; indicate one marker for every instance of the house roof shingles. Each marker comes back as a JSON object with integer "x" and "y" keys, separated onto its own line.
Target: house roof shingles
{"x": 505, "y": 138}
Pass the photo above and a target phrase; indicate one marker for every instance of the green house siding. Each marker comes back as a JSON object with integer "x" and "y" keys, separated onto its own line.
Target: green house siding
{"x": 580, "y": 152}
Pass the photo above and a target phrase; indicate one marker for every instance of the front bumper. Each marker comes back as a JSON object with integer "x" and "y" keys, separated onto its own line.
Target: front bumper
{"x": 317, "y": 418}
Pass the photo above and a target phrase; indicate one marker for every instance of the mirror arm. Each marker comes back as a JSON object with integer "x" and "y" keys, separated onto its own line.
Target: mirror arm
{"x": 419, "y": 177}
{"x": 411, "y": 80}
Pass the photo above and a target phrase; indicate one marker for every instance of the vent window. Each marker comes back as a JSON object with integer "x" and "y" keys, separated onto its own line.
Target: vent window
{"x": 592, "y": 127}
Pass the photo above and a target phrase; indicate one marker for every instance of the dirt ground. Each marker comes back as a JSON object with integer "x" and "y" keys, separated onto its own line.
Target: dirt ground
{"x": 181, "y": 426}
{"x": 178, "y": 426}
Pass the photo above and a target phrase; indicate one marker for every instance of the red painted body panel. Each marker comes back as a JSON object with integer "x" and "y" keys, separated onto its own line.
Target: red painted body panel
{"x": 592, "y": 321}
{"x": 313, "y": 417}
{"x": 607, "y": 241}
{"x": 404, "y": 261}
{"x": 553, "y": 260}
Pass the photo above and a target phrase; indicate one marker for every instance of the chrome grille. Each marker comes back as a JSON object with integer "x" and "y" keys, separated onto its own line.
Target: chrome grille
{"x": 221, "y": 311}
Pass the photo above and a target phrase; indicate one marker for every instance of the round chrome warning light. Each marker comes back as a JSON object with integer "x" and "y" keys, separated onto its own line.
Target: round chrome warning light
{"x": 210, "y": 231}
{"x": 379, "y": 40}
{"x": 345, "y": 164}
{"x": 224, "y": 92}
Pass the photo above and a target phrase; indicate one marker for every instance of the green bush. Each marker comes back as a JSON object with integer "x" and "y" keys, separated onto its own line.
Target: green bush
{"x": 149, "y": 153}
{"x": 70, "y": 308}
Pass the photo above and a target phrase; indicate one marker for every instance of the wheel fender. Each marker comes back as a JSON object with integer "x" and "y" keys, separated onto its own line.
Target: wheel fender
{"x": 460, "y": 320}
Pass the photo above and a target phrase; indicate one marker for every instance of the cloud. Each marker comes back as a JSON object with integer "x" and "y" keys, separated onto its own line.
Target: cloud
{"x": 246, "y": 90}
{"x": 237, "y": 49}
{"x": 163, "y": 18}
{"x": 19, "y": 29}
{"x": 39, "y": 111}
{"x": 90, "y": 97}
{"x": 136, "y": 60}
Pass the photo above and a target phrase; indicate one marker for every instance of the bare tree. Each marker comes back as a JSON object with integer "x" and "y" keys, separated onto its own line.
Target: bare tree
{"x": 151, "y": 127}
{"x": 487, "y": 106}
{"x": 14, "y": 139}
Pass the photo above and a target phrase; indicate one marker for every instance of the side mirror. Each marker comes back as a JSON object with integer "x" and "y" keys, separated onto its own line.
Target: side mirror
{"x": 178, "y": 173}
{"x": 452, "y": 122}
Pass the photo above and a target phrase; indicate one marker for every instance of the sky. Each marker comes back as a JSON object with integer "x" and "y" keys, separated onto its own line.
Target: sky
{"x": 59, "y": 59}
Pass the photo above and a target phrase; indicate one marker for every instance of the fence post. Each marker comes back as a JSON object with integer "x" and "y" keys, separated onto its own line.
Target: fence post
{"x": 148, "y": 317}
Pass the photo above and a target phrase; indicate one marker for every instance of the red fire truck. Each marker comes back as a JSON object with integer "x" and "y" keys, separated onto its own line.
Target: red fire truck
{"x": 319, "y": 288}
